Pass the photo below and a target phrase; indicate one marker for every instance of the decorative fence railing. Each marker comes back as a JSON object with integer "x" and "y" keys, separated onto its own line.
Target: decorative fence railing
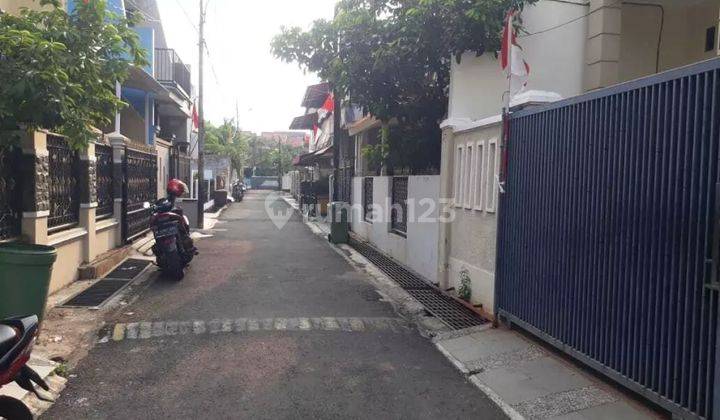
{"x": 608, "y": 238}
{"x": 368, "y": 199}
{"x": 170, "y": 69}
{"x": 398, "y": 211}
{"x": 140, "y": 171}
{"x": 10, "y": 193}
{"x": 104, "y": 181}
{"x": 64, "y": 173}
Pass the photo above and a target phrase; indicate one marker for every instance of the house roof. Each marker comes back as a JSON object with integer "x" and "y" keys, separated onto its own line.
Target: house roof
{"x": 315, "y": 95}
{"x": 304, "y": 122}
{"x": 313, "y": 157}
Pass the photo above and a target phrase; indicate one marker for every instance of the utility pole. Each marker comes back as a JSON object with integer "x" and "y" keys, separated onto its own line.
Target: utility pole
{"x": 280, "y": 174}
{"x": 337, "y": 143}
{"x": 201, "y": 125}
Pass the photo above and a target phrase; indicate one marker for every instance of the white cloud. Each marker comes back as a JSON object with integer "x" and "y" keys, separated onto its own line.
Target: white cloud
{"x": 238, "y": 33}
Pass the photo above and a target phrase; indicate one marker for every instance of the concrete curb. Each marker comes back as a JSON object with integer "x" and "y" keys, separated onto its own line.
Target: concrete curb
{"x": 505, "y": 407}
{"x": 45, "y": 368}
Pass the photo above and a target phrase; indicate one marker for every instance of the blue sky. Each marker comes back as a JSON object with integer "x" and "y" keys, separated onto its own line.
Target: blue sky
{"x": 238, "y": 32}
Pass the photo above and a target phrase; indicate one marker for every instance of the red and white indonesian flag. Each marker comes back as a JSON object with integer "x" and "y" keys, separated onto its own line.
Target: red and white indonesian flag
{"x": 195, "y": 118}
{"x": 327, "y": 108}
{"x": 512, "y": 57}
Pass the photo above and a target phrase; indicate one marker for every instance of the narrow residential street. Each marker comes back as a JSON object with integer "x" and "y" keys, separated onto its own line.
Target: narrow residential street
{"x": 259, "y": 330}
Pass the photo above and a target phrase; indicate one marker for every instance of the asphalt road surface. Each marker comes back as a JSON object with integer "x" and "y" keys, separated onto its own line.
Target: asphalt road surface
{"x": 268, "y": 323}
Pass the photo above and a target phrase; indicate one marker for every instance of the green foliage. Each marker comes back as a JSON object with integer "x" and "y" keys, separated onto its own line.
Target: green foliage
{"x": 227, "y": 140}
{"x": 59, "y": 70}
{"x": 393, "y": 57}
{"x": 465, "y": 290}
{"x": 62, "y": 370}
{"x": 376, "y": 154}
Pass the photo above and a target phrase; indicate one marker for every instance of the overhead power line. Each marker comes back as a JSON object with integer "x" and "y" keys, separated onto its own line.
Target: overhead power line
{"x": 187, "y": 15}
{"x": 558, "y": 26}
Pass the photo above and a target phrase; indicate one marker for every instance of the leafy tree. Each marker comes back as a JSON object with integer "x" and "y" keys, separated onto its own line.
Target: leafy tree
{"x": 392, "y": 57}
{"x": 227, "y": 140}
{"x": 264, "y": 156}
{"x": 59, "y": 69}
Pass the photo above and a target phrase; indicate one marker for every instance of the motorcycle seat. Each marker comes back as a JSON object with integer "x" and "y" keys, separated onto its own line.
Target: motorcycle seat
{"x": 8, "y": 338}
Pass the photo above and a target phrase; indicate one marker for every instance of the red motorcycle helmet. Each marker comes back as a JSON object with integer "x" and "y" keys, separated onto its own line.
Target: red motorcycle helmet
{"x": 176, "y": 187}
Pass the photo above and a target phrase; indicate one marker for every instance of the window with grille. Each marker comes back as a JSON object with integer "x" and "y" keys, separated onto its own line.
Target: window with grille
{"x": 398, "y": 211}
{"x": 368, "y": 199}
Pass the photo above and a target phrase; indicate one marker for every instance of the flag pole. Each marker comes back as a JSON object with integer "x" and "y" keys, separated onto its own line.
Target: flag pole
{"x": 201, "y": 124}
{"x": 505, "y": 135}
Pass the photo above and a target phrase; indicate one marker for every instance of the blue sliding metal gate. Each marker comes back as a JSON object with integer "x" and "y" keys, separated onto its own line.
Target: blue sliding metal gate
{"x": 608, "y": 236}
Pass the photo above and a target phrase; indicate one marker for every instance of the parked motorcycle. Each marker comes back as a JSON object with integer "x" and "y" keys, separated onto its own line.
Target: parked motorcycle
{"x": 238, "y": 191}
{"x": 174, "y": 248}
{"x": 17, "y": 337}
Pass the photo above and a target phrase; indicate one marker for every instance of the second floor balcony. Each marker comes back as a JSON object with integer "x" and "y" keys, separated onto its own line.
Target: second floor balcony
{"x": 171, "y": 71}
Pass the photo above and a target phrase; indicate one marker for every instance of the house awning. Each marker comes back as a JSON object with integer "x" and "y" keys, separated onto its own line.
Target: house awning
{"x": 312, "y": 158}
{"x": 140, "y": 79}
{"x": 316, "y": 95}
{"x": 304, "y": 122}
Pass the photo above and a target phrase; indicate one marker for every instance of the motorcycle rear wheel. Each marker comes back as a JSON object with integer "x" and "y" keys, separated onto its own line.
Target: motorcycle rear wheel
{"x": 12, "y": 409}
{"x": 174, "y": 266}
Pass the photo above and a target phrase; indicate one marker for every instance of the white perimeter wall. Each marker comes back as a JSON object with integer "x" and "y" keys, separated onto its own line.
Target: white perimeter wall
{"x": 419, "y": 250}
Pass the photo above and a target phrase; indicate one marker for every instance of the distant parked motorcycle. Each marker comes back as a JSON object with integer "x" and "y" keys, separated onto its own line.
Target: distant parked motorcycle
{"x": 174, "y": 248}
{"x": 238, "y": 191}
{"x": 17, "y": 337}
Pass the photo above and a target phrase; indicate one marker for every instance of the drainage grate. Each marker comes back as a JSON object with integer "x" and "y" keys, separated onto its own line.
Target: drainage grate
{"x": 406, "y": 279}
{"x": 129, "y": 269}
{"x": 447, "y": 309}
{"x": 97, "y": 294}
{"x": 453, "y": 313}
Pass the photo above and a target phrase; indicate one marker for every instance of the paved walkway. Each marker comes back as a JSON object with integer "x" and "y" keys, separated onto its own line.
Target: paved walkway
{"x": 268, "y": 323}
{"x": 534, "y": 383}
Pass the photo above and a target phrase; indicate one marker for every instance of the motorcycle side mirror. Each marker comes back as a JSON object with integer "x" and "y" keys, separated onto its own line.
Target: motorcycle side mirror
{"x": 146, "y": 205}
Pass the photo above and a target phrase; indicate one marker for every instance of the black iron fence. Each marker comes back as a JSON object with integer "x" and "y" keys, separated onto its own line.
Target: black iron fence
{"x": 64, "y": 175}
{"x": 169, "y": 69}
{"x": 10, "y": 193}
{"x": 607, "y": 242}
{"x": 104, "y": 181}
{"x": 399, "y": 211}
{"x": 140, "y": 171}
{"x": 368, "y": 199}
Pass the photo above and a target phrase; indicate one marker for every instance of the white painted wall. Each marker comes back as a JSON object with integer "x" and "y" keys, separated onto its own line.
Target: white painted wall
{"x": 556, "y": 58}
{"x": 471, "y": 237}
{"x": 163, "y": 170}
{"x": 419, "y": 250}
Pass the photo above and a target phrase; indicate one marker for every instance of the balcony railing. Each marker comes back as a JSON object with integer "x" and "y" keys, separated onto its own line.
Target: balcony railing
{"x": 170, "y": 70}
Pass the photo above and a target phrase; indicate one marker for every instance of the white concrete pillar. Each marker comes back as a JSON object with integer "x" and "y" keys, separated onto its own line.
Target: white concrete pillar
{"x": 603, "y": 44}
{"x": 88, "y": 201}
{"x": 118, "y": 143}
{"x": 446, "y": 193}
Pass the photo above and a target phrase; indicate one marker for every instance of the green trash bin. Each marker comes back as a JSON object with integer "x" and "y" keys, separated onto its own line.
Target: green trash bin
{"x": 339, "y": 227}
{"x": 24, "y": 278}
